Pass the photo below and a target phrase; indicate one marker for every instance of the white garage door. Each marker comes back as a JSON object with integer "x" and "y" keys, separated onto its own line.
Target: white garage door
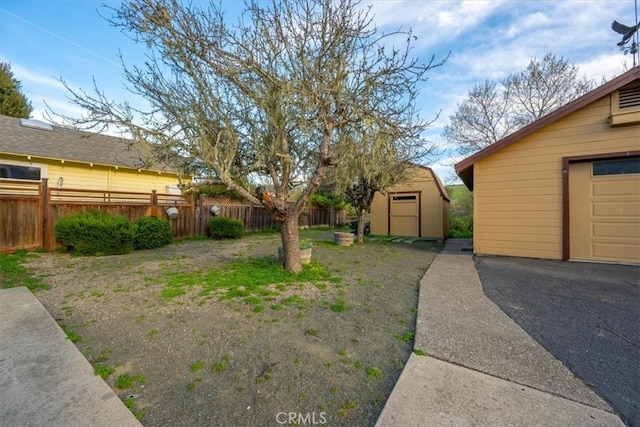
{"x": 604, "y": 210}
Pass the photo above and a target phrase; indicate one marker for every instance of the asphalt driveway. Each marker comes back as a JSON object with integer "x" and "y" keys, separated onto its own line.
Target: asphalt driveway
{"x": 586, "y": 315}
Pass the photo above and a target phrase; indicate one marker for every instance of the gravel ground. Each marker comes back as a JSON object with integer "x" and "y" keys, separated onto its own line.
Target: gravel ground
{"x": 321, "y": 352}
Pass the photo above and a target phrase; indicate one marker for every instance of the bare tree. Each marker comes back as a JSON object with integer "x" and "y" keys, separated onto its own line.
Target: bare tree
{"x": 263, "y": 99}
{"x": 494, "y": 110}
{"x": 379, "y": 160}
{"x": 544, "y": 86}
{"x": 483, "y": 118}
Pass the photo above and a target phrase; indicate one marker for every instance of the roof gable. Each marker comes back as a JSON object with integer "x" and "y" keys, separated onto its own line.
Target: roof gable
{"x": 441, "y": 188}
{"x": 464, "y": 168}
{"x": 70, "y": 144}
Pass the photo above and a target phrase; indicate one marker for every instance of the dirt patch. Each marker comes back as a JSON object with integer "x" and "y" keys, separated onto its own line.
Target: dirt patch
{"x": 325, "y": 351}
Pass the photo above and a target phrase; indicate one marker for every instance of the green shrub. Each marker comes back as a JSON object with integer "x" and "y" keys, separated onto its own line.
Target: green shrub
{"x": 226, "y": 228}
{"x": 95, "y": 232}
{"x": 214, "y": 190}
{"x": 328, "y": 201}
{"x": 152, "y": 232}
{"x": 461, "y": 227}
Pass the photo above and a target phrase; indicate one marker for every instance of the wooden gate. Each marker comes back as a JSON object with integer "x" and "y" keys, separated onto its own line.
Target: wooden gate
{"x": 21, "y": 212}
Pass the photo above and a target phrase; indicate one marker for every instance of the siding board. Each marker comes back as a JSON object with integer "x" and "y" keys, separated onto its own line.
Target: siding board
{"x": 518, "y": 192}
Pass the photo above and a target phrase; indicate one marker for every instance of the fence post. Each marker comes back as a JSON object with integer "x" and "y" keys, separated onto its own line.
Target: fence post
{"x": 154, "y": 203}
{"x": 44, "y": 212}
{"x": 192, "y": 228}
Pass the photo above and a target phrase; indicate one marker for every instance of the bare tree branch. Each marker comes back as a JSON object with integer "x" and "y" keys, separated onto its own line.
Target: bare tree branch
{"x": 268, "y": 98}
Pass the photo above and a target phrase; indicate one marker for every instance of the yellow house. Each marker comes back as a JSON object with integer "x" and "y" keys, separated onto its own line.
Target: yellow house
{"x": 33, "y": 150}
{"x": 566, "y": 186}
{"x": 418, "y": 207}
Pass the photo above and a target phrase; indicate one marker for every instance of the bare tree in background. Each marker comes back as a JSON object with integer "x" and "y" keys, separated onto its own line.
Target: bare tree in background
{"x": 494, "y": 110}
{"x": 380, "y": 158}
{"x": 265, "y": 99}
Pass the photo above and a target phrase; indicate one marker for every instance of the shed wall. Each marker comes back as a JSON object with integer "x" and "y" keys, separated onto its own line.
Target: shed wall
{"x": 518, "y": 189}
{"x": 434, "y": 215}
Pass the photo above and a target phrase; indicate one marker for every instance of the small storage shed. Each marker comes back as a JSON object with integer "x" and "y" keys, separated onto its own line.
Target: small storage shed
{"x": 418, "y": 207}
{"x": 566, "y": 186}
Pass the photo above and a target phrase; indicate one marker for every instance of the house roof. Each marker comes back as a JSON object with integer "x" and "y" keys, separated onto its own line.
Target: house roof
{"x": 464, "y": 168}
{"x": 441, "y": 188}
{"x": 60, "y": 143}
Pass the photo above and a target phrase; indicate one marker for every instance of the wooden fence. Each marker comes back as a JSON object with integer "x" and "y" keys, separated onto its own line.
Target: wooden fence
{"x": 29, "y": 211}
{"x": 258, "y": 218}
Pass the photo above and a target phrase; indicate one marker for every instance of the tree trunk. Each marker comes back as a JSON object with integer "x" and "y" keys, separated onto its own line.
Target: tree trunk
{"x": 360, "y": 230}
{"x": 291, "y": 243}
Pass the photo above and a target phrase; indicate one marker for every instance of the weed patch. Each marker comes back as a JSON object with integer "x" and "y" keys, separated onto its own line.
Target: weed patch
{"x": 72, "y": 336}
{"x": 103, "y": 371}
{"x": 14, "y": 274}
{"x": 406, "y": 337}
{"x": 196, "y": 366}
{"x": 339, "y": 306}
{"x": 247, "y": 278}
{"x": 127, "y": 381}
{"x": 130, "y": 403}
{"x": 345, "y": 408}
{"x": 374, "y": 373}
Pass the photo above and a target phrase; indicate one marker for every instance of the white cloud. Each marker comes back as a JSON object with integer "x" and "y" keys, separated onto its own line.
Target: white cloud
{"x": 29, "y": 78}
{"x": 605, "y": 66}
{"x": 434, "y": 23}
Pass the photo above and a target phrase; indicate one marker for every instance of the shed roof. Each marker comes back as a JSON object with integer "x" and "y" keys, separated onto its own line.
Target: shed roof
{"x": 464, "y": 168}
{"x": 441, "y": 188}
{"x": 62, "y": 143}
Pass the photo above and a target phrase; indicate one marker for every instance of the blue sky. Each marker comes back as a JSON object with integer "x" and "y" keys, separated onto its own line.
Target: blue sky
{"x": 45, "y": 40}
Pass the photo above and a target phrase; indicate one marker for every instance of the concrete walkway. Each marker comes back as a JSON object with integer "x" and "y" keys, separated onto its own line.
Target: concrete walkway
{"x": 481, "y": 368}
{"x": 44, "y": 379}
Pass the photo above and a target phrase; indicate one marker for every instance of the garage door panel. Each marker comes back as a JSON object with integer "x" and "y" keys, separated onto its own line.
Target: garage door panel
{"x": 604, "y": 215}
{"x": 618, "y": 209}
{"x": 624, "y": 230}
{"x": 616, "y": 252}
{"x": 617, "y": 187}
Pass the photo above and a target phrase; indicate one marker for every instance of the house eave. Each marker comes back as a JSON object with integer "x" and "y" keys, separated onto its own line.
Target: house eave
{"x": 30, "y": 157}
{"x": 464, "y": 168}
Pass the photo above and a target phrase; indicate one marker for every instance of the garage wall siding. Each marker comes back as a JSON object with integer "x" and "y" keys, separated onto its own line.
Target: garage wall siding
{"x": 518, "y": 189}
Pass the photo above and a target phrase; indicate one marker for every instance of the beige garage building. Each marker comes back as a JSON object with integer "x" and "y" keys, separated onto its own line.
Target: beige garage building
{"x": 417, "y": 208}
{"x": 568, "y": 185}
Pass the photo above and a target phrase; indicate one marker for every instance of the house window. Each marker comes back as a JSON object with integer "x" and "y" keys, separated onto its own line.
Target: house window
{"x": 404, "y": 197}
{"x": 616, "y": 167}
{"x": 20, "y": 172}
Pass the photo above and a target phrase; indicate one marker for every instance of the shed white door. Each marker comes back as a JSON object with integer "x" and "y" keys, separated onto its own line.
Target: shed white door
{"x": 404, "y": 211}
{"x": 604, "y": 210}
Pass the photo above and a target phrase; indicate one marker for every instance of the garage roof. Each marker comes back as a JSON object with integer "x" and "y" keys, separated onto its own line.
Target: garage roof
{"x": 464, "y": 168}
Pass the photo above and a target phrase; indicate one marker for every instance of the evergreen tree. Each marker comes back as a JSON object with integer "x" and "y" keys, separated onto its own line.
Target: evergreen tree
{"x": 12, "y": 101}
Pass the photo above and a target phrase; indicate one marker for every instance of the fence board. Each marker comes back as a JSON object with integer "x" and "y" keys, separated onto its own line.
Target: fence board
{"x": 29, "y": 211}
{"x": 20, "y": 215}
{"x": 257, "y": 218}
